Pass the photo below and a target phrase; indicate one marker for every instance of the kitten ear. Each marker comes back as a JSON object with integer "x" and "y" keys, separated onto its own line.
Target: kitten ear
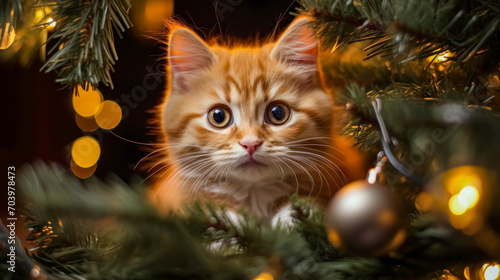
{"x": 188, "y": 55}
{"x": 298, "y": 46}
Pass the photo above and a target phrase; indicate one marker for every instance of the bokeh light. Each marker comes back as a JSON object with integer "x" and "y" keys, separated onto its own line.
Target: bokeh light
{"x": 109, "y": 115}
{"x": 491, "y": 271}
{"x": 466, "y": 199}
{"x": 85, "y": 151}
{"x": 86, "y": 124}
{"x": 424, "y": 202}
{"x": 457, "y": 206}
{"x": 82, "y": 173}
{"x": 264, "y": 276}
{"x": 8, "y": 36}
{"x": 154, "y": 14}
{"x": 51, "y": 24}
{"x": 87, "y": 102}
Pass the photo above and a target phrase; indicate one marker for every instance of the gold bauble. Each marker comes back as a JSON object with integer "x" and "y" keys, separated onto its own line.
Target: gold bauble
{"x": 366, "y": 219}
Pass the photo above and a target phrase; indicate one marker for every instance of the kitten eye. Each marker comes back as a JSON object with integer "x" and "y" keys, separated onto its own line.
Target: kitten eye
{"x": 219, "y": 117}
{"x": 277, "y": 113}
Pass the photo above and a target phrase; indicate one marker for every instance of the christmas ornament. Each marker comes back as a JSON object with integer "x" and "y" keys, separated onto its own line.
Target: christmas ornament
{"x": 7, "y": 37}
{"x": 366, "y": 218}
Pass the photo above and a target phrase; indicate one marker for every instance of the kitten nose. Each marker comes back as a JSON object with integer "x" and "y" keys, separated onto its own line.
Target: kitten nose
{"x": 251, "y": 146}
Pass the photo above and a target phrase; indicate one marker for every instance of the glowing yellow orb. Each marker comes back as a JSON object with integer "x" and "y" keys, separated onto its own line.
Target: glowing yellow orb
{"x": 471, "y": 195}
{"x": 491, "y": 271}
{"x": 87, "y": 103}
{"x": 7, "y": 36}
{"x": 85, "y": 151}
{"x": 264, "y": 276}
{"x": 457, "y": 205}
{"x": 109, "y": 115}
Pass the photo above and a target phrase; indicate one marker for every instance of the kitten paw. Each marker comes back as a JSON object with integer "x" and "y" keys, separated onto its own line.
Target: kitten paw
{"x": 284, "y": 218}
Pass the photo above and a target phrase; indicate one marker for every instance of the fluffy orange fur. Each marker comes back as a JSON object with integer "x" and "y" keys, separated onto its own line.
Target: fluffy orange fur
{"x": 210, "y": 162}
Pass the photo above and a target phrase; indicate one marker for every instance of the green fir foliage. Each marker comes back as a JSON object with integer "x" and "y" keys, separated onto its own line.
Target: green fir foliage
{"x": 83, "y": 52}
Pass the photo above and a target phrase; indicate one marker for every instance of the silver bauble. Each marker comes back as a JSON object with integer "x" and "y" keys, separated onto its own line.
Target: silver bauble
{"x": 366, "y": 219}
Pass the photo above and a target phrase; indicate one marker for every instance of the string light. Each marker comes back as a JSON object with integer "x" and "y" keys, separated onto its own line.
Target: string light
{"x": 87, "y": 102}
{"x": 51, "y": 24}
{"x": 109, "y": 115}
{"x": 491, "y": 271}
{"x": 443, "y": 57}
{"x": 85, "y": 151}
{"x": 264, "y": 276}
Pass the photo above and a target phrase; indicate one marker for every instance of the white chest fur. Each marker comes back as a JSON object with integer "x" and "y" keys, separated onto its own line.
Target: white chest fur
{"x": 259, "y": 198}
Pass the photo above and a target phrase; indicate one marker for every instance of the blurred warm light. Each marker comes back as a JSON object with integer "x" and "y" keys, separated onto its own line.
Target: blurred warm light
{"x": 471, "y": 196}
{"x": 372, "y": 176}
{"x": 467, "y": 273}
{"x": 86, "y": 124}
{"x": 154, "y": 15}
{"x": 334, "y": 237}
{"x": 85, "y": 151}
{"x": 8, "y": 36}
{"x": 109, "y": 115}
{"x": 442, "y": 57}
{"x": 465, "y": 189}
{"x": 456, "y": 207}
{"x": 82, "y": 173}
{"x": 51, "y": 24}
{"x": 264, "y": 276}
{"x": 424, "y": 202}
{"x": 491, "y": 271}
{"x": 86, "y": 103}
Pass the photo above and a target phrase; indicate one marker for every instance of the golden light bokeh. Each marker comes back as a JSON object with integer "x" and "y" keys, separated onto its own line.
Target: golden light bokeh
{"x": 86, "y": 124}
{"x": 87, "y": 102}
{"x": 491, "y": 271}
{"x": 155, "y": 12}
{"x": 8, "y": 36}
{"x": 85, "y": 151}
{"x": 466, "y": 199}
{"x": 424, "y": 202}
{"x": 456, "y": 205}
{"x": 51, "y": 24}
{"x": 442, "y": 57}
{"x": 82, "y": 173}
{"x": 264, "y": 276}
{"x": 109, "y": 115}
{"x": 470, "y": 195}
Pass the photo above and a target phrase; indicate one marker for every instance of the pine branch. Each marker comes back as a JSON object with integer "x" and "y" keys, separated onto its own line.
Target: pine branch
{"x": 83, "y": 52}
{"x": 110, "y": 231}
{"x": 411, "y": 30}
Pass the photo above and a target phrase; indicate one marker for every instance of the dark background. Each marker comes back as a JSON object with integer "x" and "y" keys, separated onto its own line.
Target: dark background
{"x": 37, "y": 118}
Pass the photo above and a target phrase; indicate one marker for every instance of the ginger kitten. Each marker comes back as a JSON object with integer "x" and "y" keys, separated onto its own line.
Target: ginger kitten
{"x": 248, "y": 126}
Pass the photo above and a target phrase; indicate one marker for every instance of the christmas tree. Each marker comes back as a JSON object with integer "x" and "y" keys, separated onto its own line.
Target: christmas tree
{"x": 419, "y": 80}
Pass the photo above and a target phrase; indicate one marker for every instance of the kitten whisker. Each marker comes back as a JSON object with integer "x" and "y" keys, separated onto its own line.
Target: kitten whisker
{"x": 293, "y": 172}
{"x": 331, "y": 164}
{"x": 148, "y": 155}
{"x": 172, "y": 162}
{"x": 302, "y": 168}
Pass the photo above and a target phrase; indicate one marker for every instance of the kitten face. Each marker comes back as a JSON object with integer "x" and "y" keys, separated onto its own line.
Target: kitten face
{"x": 249, "y": 114}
